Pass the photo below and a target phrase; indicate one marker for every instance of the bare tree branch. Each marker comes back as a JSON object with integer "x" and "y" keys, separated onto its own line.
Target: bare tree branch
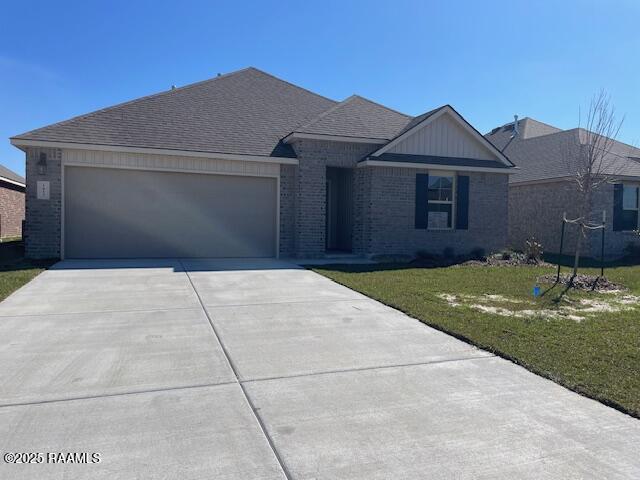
{"x": 591, "y": 158}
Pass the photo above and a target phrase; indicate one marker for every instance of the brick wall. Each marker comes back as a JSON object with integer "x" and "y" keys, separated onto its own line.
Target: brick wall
{"x": 42, "y": 217}
{"x": 537, "y": 210}
{"x": 11, "y": 210}
{"x": 391, "y": 224}
{"x": 287, "y": 210}
{"x": 314, "y": 157}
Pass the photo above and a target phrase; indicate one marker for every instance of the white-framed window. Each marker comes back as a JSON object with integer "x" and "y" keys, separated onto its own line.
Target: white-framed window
{"x": 631, "y": 207}
{"x": 441, "y": 201}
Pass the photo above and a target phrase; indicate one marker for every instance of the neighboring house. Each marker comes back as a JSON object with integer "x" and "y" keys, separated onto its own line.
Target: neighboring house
{"x": 12, "y": 187}
{"x": 248, "y": 165}
{"x": 544, "y": 188}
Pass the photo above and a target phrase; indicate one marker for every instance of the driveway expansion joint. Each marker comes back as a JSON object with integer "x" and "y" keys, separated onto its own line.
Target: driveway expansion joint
{"x": 233, "y": 368}
{"x": 365, "y": 369}
{"x": 119, "y": 394}
{"x": 195, "y": 307}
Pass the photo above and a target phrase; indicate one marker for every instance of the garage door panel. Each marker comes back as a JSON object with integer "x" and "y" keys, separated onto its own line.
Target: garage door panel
{"x": 114, "y": 213}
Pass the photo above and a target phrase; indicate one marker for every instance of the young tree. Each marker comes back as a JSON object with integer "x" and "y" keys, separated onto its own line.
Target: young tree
{"x": 592, "y": 163}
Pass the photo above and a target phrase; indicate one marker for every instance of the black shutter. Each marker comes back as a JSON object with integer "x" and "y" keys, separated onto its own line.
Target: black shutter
{"x": 618, "y": 212}
{"x": 462, "y": 203}
{"x": 422, "y": 198}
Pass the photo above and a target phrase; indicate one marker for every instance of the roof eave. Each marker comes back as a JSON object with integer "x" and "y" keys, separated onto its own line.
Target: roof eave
{"x": 294, "y": 136}
{"x": 11, "y": 181}
{"x": 22, "y": 144}
{"x": 433, "y": 166}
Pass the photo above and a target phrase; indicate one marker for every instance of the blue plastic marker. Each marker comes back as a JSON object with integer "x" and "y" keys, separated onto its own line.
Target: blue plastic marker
{"x": 536, "y": 291}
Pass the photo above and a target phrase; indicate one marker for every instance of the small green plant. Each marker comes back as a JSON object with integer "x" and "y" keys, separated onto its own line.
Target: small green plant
{"x": 533, "y": 250}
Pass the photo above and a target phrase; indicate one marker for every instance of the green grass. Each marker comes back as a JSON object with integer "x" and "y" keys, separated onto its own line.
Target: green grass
{"x": 15, "y": 270}
{"x": 10, "y": 239}
{"x": 598, "y": 356}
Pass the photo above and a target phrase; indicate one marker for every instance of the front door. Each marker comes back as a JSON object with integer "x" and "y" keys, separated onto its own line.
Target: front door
{"x": 339, "y": 209}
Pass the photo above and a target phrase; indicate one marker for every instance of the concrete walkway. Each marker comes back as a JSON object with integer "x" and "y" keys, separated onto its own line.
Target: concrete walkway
{"x": 228, "y": 369}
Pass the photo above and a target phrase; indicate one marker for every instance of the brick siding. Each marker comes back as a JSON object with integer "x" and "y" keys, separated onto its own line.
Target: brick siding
{"x": 42, "y": 221}
{"x": 536, "y": 210}
{"x": 11, "y": 210}
{"x": 383, "y": 208}
{"x": 390, "y": 227}
{"x": 314, "y": 157}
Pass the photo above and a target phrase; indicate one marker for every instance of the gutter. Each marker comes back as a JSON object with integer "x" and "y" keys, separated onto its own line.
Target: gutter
{"x": 23, "y": 144}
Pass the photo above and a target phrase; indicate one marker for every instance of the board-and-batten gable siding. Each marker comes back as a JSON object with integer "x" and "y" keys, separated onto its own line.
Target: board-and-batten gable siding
{"x": 145, "y": 161}
{"x": 443, "y": 137}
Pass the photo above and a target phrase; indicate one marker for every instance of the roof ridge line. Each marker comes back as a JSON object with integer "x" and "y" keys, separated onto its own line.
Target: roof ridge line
{"x": 381, "y": 105}
{"x": 139, "y": 99}
{"x": 329, "y": 110}
{"x": 538, "y": 121}
{"x": 615, "y": 140}
{"x": 289, "y": 83}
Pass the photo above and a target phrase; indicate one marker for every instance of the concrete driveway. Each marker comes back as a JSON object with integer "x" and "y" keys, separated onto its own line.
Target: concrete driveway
{"x": 258, "y": 369}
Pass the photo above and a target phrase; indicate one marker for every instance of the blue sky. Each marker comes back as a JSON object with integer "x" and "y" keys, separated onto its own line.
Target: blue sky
{"x": 488, "y": 59}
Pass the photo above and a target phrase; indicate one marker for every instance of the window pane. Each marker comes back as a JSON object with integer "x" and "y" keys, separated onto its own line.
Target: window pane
{"x": 446, "y": 194}
{"x": 630, "y": 198}
{"x": 440, "y": 215}
{"x": 434, "y": 194}
{"x": 440, "y": 188}
{"x": 434, "y": 181}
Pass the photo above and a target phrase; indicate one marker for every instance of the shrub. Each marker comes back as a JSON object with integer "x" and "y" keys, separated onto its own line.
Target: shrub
{"x": 533, "y": 250}
{"x": 506, "y": 254}
{"x": 478, "y": 253}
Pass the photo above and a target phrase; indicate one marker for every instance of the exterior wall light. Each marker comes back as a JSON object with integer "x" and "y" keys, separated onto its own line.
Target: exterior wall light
{"x": 42, "y": 164}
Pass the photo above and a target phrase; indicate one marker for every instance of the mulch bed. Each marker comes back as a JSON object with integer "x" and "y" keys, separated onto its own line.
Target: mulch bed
{"x": 584, "y": 282}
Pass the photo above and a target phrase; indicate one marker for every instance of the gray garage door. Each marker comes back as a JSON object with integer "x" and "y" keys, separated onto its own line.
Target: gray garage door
{"x": 112, "y": 213}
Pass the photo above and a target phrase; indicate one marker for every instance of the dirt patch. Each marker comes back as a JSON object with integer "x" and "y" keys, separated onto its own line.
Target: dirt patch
{"x": 575, "y": 310}
{"x": 584, "y": 282}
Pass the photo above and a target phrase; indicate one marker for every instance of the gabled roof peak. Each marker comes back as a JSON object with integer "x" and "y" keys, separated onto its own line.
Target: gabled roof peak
{"x": 356, "y": 116}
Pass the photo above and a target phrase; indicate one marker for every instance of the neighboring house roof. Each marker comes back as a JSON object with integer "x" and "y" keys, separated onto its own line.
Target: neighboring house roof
{"x": 12, "y": 177}
{"x": 543, "y": 152}
{"x": 527, "y": 128}
{"x": 245, "y": 112}
{"x": 357, "y": 117}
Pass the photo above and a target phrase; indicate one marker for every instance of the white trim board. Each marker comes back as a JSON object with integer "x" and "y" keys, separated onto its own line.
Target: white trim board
{"x": 429, "y": 166}
{"x": 8, "y": 180}
{"x": 16, "y": 142}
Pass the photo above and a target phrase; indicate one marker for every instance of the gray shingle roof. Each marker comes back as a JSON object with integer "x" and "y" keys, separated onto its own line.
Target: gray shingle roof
{"x": 416, "y": 120}
{"x": 357, "y": 117}
{"x": 11, "y": 175}
{"x": 245, "y": 112}
{"x": 549, "y": 152}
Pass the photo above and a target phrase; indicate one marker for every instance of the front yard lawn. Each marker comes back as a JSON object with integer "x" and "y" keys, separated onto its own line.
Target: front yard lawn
{"x": 589, "y": 342}
{"x": 15, "y": 270}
